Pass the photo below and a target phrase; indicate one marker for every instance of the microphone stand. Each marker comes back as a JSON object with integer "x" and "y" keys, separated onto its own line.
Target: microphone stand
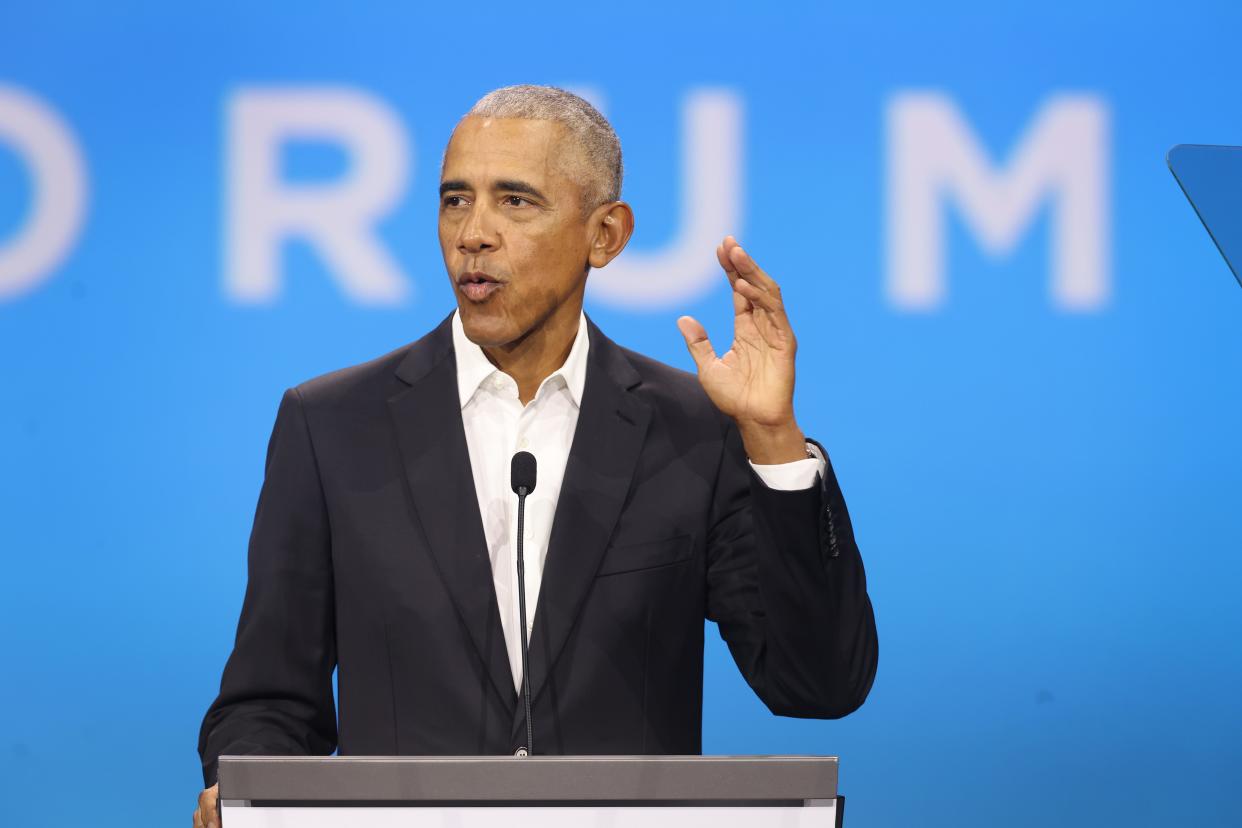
{"x": 521, "y": 575}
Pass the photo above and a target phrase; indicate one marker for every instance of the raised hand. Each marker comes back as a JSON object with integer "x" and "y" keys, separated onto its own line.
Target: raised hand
{"x": 753, "y": 381}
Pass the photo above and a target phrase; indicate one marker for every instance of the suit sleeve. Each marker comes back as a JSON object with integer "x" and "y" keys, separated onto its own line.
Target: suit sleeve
{"x": 786, "y": 586}
{"x": 276, "y": 691}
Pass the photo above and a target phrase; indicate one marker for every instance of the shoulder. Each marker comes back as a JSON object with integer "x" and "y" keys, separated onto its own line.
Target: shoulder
{"x": 672, "y": 392}
{"x": 366, "y": 380}
{"x": 378, "y": 379}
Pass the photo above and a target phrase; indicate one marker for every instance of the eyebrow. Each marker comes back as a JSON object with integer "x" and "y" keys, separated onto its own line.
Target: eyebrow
{"x": 511, "y": 186}
{"x": 505, "y": 185}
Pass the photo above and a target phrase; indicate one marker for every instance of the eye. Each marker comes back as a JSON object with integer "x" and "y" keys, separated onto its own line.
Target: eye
{"x": 516, "y": 201}
{"x": 453, "y": 201}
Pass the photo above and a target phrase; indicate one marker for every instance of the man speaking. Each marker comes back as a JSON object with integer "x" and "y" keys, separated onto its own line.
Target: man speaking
{"x": 385, "y": 536}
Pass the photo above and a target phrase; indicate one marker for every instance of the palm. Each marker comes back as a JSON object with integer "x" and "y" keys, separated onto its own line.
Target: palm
{"x": 753, "y": 381}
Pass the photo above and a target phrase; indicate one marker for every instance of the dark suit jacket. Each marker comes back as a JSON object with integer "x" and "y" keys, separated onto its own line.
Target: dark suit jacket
{"x": 368, "y": 556}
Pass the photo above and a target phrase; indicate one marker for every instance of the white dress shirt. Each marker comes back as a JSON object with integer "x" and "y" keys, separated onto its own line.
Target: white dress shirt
{"x": 498, "y": 425}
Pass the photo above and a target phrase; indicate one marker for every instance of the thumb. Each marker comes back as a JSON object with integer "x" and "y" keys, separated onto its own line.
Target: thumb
{"x": 697, "y": 343}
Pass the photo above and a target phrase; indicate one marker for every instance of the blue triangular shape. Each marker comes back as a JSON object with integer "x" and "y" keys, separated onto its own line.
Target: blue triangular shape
{"x": 1211, "y": 178}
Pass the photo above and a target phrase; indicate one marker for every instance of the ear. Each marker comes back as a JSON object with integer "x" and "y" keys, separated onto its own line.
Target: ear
{"x": 609, "y": 228}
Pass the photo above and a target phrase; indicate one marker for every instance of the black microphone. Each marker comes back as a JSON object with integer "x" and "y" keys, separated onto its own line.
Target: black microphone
{"x": 522, "y": 479}
{"x": 522, "y": 473}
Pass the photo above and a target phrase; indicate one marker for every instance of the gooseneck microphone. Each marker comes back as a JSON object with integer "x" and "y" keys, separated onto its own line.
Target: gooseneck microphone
{"x": 522, "y": 479}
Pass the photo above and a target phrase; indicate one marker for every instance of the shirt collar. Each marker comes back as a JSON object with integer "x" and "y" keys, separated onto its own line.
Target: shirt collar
{"x": 473, "y": 366}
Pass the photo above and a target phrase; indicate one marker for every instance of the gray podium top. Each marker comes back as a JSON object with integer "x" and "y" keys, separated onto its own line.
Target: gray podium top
{"x": 312, "y": 779}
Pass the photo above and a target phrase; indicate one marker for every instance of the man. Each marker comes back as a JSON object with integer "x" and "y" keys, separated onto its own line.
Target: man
{"x": 382, "y": 542}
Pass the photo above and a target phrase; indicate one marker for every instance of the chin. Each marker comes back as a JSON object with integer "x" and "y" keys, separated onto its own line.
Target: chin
{"x": 485, "y": 329}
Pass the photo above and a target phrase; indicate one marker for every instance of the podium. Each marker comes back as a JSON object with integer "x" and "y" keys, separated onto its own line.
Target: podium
{"x": 522, "y": 792}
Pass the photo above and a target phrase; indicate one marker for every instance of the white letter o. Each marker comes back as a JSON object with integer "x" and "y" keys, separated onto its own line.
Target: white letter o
{"x": 45, "y": 142}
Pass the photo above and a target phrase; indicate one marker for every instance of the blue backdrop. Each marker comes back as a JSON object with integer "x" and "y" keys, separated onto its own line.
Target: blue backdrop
{"x": 1043, "y": 480}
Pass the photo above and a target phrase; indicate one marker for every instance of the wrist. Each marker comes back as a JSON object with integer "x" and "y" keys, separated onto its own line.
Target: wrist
{"x": 770, "y": 445}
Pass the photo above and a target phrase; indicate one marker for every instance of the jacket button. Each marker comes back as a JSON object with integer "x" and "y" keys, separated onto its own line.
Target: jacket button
{"x": 522, "y": 751}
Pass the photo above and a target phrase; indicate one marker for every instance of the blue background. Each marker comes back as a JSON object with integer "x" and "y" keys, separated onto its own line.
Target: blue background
{"x": 1046, "y": 502}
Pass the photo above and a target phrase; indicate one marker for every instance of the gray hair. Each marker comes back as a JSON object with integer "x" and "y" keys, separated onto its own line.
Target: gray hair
{"x": 598, "y": 143}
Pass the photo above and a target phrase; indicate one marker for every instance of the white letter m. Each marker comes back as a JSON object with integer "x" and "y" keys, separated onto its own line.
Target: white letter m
{"x": 933, "y": 156}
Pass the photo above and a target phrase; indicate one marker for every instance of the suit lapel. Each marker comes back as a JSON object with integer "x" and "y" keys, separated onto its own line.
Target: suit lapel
{"x": 432, "y": 442}
{"x": 612, "y": 425}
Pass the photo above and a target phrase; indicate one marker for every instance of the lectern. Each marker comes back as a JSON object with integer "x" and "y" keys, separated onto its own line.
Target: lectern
{"x": 530, "y": 792}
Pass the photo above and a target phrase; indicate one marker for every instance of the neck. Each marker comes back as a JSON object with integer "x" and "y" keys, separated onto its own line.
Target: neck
{"x": 531, "y": 359}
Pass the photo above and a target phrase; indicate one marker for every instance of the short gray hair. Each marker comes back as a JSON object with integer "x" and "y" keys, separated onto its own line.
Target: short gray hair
{"x": 595, "y": 137}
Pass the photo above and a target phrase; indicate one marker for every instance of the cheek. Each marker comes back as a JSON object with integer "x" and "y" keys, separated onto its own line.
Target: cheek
{"x": 552, "y": 257}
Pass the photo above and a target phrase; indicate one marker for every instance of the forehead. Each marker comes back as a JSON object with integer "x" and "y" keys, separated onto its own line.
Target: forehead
{"x": 485, "y": 149}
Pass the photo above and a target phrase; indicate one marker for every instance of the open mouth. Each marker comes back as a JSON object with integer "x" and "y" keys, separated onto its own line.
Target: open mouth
{"x": 478, "y": 286}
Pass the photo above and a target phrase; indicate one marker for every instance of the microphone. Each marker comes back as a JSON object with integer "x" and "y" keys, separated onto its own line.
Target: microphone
{"x": 522, "y": 479}
{"x": 522, "y": 473}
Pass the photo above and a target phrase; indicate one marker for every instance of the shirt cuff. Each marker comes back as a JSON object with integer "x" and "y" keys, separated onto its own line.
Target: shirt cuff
{"x": 795, "y": 476}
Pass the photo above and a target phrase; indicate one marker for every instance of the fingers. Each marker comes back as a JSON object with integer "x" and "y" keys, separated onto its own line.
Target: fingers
{"x": 756, "y": 295}
{"x": 741, "y": 305}
{"x": 722, "y": 256}
{"x": 206, "y": 815}
{"x": 746, "y": 268}
{"x": 738, "y": 265}
{"x": 697, "y": 343}
{"x": 759, "y": 298}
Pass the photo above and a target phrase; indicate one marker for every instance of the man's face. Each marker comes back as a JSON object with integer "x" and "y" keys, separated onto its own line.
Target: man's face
{"x": 512, "y": 229}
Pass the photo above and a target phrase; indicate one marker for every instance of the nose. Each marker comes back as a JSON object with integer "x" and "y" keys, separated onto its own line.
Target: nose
{"x": 477, "y": 233}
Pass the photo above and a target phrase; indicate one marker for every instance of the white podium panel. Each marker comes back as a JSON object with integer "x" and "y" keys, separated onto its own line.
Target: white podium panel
{"x": 687, "y": 816}
{"x": 539, "y": 792}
